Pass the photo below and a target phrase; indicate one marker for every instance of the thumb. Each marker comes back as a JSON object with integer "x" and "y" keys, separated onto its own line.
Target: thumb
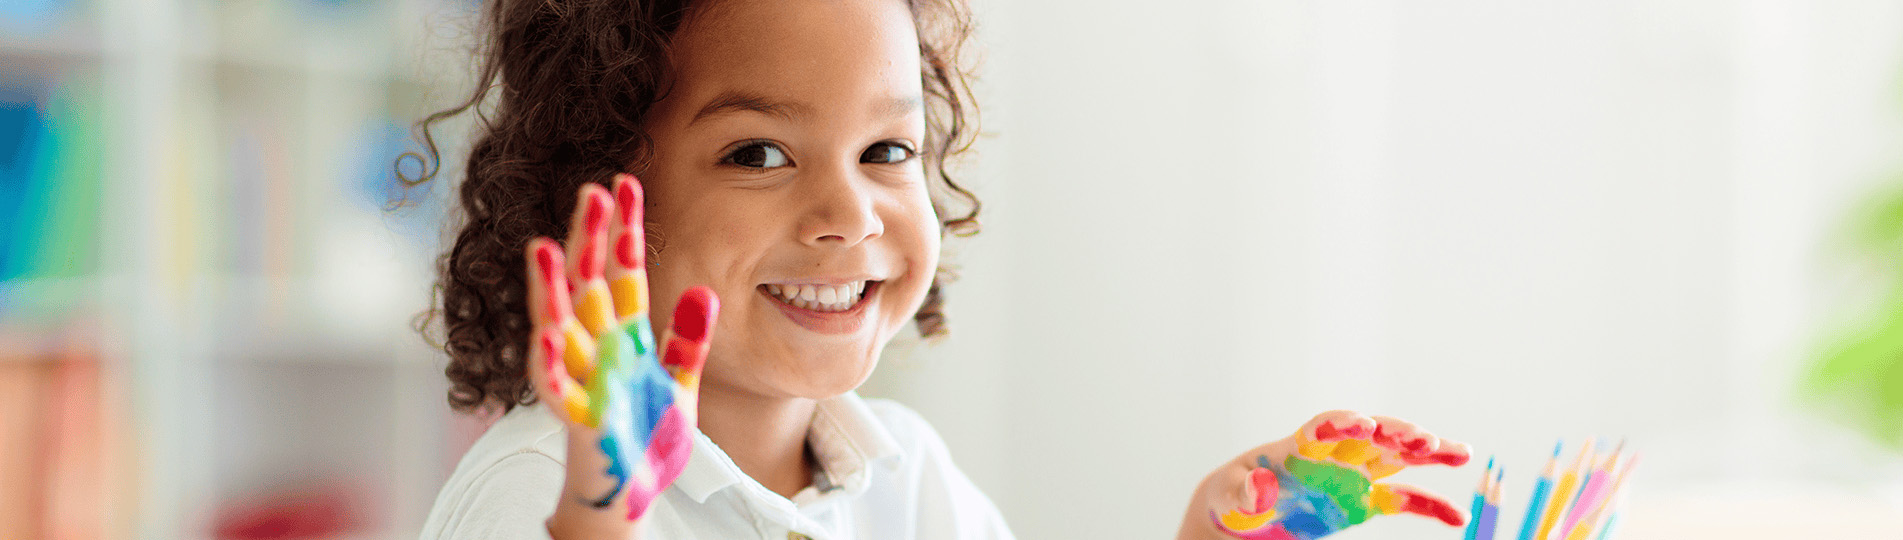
{"x": 687, "y": 338}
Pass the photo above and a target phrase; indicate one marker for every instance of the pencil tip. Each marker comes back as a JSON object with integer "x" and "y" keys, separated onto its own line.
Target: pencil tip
{"x": 1557, "y": 445}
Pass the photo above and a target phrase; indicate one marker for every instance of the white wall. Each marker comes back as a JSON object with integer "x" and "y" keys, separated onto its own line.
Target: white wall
{"x": 1509, "y": 221}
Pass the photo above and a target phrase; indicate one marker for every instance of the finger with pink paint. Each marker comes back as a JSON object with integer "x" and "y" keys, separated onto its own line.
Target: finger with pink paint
{"x": 1321, "y": 480}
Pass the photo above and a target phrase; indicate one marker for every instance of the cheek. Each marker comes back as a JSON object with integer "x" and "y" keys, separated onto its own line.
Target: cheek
{"x": 914, "y": 230}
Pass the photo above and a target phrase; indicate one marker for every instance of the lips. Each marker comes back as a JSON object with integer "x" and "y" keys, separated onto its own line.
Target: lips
{"x": 826, "y": 308}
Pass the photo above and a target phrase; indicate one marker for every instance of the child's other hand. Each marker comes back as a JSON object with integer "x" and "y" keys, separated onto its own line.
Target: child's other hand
{"x": 629, "y": 412}
{"x": 1321, "y": 480}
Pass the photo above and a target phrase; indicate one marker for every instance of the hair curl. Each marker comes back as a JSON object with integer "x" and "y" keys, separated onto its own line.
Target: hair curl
{"x": 572, "y": 82}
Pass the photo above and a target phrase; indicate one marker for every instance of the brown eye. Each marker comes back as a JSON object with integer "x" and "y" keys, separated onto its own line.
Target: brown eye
{"x": 886, "y": 152}
{"x": 758, "y": 155}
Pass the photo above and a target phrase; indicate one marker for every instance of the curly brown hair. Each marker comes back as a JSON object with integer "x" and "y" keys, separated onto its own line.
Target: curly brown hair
{"x": 572, "y": 82}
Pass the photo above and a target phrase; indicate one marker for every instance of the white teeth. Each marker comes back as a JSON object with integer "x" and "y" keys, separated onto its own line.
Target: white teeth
{"x": 819, "y": 297}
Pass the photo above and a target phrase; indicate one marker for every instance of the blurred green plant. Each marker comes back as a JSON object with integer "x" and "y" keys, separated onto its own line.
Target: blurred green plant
{"x": 1859, "y": 374}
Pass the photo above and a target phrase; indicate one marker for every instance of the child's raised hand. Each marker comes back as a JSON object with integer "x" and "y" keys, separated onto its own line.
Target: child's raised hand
{"x": 629, "y": 412}
{"x": 1321, "y": 480}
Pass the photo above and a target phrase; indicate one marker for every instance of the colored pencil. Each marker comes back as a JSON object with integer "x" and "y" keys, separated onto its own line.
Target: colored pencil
{"x": 1541, "y": 488}
{"x": 1480, "y": 499}
{"x": 1563, "y": 494}
{"x": 1594, "y": 486}
{"x": 1601, "y": 514}
{"x": 1490, "y": 511}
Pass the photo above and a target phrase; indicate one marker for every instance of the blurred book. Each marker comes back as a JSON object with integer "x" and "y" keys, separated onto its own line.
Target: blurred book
{"x": 57, "y": 428}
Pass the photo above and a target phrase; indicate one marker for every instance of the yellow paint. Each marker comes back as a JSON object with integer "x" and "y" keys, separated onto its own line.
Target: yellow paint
{"x": 1355, "y": 451}
{"x": 1312, "y": 449}
{"x": 574, "y": 401}
{"x": 631, "y": 294}
{"x": 578, "y": 350}
{"x": 1383, "y": 467}
{"x": 1237, "y": 520}
{"x": 594, "y": 310}
{"x": 1385, "y": 499}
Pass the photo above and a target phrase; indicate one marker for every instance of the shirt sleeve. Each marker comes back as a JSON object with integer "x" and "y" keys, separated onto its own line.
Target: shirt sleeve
{"x": 510, "y": 501}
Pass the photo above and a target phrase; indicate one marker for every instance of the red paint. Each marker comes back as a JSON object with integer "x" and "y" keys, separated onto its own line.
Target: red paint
{"x": 1417, "y": 503}
{"x": 548, "y": 259}
{"x": 627, "y": 252}
{"x": 628, "y": 200}
{"x": 552, "y": 351}
{"x": 1383, "y": 437}
{"x": 595, "y": 224}
{"x": 684, "y": 354}
{"x": 1267, "y": 489}
{"x": 694, "y": 315}
{"x": 1327, "y": 432}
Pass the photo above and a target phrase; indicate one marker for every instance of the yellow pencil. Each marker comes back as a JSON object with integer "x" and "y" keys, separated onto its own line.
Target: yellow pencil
{"x": 1596, "y": 521}
{"x": 1564, "y": 492}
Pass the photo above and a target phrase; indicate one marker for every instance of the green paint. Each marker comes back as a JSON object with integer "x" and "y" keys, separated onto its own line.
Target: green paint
{"x": 615, "y": 355}
{"x": 1348, "y": 487}
{"x": 643, "y": 333}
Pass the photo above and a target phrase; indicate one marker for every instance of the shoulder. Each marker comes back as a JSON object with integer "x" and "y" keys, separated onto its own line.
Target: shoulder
{"x": 506, "y": 485}
{"x": 906, "y": 426}
{"x": 945, "y": 499}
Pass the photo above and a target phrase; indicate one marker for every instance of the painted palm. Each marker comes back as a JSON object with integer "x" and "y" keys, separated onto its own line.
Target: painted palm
{"x": 1325, "y": 478}
{"x": 595, "y": 361}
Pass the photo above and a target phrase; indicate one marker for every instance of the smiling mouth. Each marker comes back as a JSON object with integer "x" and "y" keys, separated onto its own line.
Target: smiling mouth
{"x": 822, "y": 298}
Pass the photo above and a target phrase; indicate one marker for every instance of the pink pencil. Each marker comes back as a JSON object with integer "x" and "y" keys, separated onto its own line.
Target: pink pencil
{"x": 1589, "y": 496}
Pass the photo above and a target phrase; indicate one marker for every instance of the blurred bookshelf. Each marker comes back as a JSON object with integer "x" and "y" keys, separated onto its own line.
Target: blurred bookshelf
{"x": 206, "y": 302}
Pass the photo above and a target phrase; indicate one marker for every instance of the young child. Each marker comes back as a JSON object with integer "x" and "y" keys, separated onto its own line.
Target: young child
{"x": 786, "y": 223}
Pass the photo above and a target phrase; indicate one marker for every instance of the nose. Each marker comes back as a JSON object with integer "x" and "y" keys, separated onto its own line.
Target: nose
{"x": 839, "y": 209}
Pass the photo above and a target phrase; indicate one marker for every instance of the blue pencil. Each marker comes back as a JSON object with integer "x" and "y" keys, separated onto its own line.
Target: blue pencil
{"x": 1480, "y": 501}
{"x": 1541, "y": 489}
{"x": 1490, "y": 512}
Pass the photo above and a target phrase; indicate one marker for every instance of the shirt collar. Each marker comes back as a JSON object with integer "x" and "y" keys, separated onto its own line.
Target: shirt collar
{"x": 845, "y": 436}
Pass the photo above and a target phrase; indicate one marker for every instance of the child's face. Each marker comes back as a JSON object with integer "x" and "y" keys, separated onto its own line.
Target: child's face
{"x": 785, "y": 159}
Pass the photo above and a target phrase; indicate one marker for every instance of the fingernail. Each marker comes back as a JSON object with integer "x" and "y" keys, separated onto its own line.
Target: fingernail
{"x": 695, "y": 313}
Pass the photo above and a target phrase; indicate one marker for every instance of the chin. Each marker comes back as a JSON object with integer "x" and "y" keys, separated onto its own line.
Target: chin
{"x": 824, "y": 374}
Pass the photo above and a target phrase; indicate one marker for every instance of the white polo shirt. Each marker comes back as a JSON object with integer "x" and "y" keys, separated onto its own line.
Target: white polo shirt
{"x": 884, "y": 474}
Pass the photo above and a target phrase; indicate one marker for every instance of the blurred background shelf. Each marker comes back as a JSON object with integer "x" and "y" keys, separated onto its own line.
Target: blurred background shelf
{"x": 195, "y": 191}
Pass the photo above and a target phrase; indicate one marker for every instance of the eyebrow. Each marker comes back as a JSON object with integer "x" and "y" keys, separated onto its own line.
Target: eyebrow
{"x": 734, "y": 102}
{"x": 737, "y": 102}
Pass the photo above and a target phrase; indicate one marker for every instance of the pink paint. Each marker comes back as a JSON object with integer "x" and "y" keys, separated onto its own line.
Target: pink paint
{"x": 667, "y": 456}
{"x": 1266, "y": 488}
